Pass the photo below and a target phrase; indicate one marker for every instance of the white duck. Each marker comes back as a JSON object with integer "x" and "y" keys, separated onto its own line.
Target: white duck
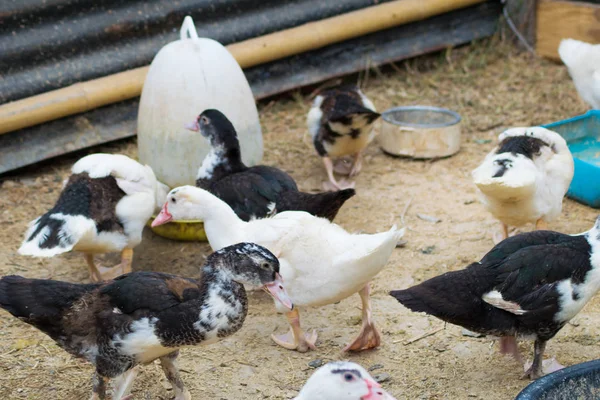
{"x": 102, "y": 208}
{"x": 525, "y": 177}
{"x": 320, "y": 262}
{"x": 583, "y": 61}
{"x": 342, "y": 381}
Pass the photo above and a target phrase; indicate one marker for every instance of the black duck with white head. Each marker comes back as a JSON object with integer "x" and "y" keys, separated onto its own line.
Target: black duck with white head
{"x": 340, "y": 123}
{"x": 143, "y": 316}
{"x": 529, "y": 285}
{"x": 253, "y": 192}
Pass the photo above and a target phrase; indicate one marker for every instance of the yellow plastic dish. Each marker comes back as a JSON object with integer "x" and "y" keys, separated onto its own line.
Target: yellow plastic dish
{"x": 188, "y": 231}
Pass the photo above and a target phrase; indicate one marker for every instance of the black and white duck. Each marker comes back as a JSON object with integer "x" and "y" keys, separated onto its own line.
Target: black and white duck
{"x": 529, "y": 285}
{"x": 253, "y": 192}
{"x": 102, "y": 208}
{"x": 340, "y": 123}
{"x": 342, "y": 380}
{"x": 525, "y": 177}
{"x": 144, "y": 316}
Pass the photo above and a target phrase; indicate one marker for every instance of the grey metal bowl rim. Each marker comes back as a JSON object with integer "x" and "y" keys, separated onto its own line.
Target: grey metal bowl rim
{"x": 386, "y": 118}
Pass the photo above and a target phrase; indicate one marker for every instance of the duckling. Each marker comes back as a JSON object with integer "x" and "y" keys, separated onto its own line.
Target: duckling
{"x": 253, "y": 192}
{"x": 340, "y": 123}
{"x": 102, "y": 208}
{"x": 143, "y": 316}
{"x": 342, "y": 381}
{"x": 529, "y": 285}
{"x": 583, "y": 61}
{"x": 525, "y": 177}
{"x": 321, "y": 263}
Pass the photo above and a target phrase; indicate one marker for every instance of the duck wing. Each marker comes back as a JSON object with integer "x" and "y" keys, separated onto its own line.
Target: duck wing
{"x": 536, "y": 281}
{"x": 254, "y": 192}
{"x": 131, "y": 176}
{"x": 129, "y": 292}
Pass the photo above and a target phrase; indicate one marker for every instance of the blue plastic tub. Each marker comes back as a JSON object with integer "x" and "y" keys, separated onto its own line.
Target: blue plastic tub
{"x": 582, "y": 134}
{"x": 577, "y": 382}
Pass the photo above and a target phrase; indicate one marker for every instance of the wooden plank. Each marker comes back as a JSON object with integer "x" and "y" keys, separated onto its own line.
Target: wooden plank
{"x": 557, "y": 20}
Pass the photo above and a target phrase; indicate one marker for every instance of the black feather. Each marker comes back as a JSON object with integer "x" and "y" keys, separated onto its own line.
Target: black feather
{"x": 525, "y": 145}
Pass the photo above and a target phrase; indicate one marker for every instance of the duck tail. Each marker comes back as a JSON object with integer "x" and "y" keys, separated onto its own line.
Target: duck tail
{"x": 40, "y": 302}
{"x": 445, "y": 297}
{"x": 506, "y": 176}
{"x": 323, "y": 205}
{"x": 54, "y": 233}
{"x": 63, "y": 226}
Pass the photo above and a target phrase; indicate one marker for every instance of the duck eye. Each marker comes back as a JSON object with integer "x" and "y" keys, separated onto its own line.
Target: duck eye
{"x": 204, "y": 120}
{"x": 348, "y": 377}
{"x": 265, "y": 265}
{"x": 173, "y": 200}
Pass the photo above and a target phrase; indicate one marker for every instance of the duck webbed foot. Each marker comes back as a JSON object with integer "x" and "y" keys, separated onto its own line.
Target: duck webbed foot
{"x": 343, "y": 166}
{"x": 368, "y": 337}
{"x": 295, "y": 339}
{"x": 124, "y": 267}
{"x": 536, "y": 369}
{"x": 332, "y": 184}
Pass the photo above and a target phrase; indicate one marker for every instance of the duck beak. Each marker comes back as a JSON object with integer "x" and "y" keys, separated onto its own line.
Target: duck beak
{"x": 192, "y": 126}
{"x": 164, "y": 217}
{"x": 277, "y": 290}
{"x": 375, "y": 392}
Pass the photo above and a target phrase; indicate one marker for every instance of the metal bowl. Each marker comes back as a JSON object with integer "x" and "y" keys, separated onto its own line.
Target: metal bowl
{"x": 188, "y": 231}
{"x": 420, "y": 132}
{"x": 577, "y": 382}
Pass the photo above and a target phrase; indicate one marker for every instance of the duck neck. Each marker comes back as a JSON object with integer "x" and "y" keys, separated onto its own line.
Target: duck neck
{"x": 221, "y": 224}
{"x": 219, "y": 162}
{"x": 225, "y": 304}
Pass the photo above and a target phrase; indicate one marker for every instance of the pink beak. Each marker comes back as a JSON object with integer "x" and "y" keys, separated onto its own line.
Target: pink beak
{"x": 192, "y": 126}
{"x": 375, "y": 392}
{"x": 277, "y": 290}
{"x": 163, "y": 217}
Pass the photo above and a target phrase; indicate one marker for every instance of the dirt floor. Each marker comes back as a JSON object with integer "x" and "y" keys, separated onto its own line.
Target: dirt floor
{"x": 493, "y": 88}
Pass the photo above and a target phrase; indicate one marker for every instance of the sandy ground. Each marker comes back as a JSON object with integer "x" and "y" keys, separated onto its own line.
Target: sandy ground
{"x": 493, "y": 88}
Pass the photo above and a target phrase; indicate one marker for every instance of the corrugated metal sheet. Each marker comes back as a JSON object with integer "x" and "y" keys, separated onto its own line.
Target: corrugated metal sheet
{"x": 30, "y": 145}
{"x": 51, "y": 44}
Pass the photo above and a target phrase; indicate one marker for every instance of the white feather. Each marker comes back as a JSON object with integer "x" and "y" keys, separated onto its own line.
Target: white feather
{"x": 142, "y": 341}
{"x": 570, "y": 306}
{"x": 313, "y": 120}
{"x": 495, "y": 299}
{"x": 209, "y": 163}
{"x": 583, "y": 62}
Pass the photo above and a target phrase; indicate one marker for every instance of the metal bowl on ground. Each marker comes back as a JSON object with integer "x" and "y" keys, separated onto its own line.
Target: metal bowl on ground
{"x": 188, "y": 231}
{"x": 578, "y": 382}
{"x": 420, "y": 132}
